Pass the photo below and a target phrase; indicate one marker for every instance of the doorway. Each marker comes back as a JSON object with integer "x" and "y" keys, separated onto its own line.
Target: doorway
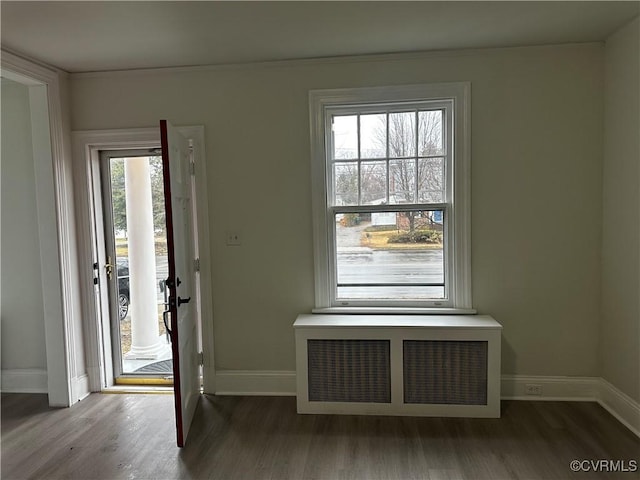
{"x": 87, "y": 149}
{"x": 60, "y": 372}
{"x": 135, "y": 266}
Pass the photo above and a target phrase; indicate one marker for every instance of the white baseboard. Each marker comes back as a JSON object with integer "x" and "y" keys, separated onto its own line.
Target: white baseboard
{"x": 620, "y": 405}
{"x": 513, "y": 387}
{"x": 259, "y": 382}
{"x": 256, "y": 382}
{"x": 24, "y": 380}
{"x": 80, "y": 388}
{"x": 576, "y": 389}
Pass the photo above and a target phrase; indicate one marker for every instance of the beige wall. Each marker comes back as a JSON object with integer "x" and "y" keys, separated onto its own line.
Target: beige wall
{"x": 23, "y": 334}
{"x": 536, "y": 180}
{"x": 620, "y": 331}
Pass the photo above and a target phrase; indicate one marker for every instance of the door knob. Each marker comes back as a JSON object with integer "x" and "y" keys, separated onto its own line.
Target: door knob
{"x": 183, "y": 300}
{"x": 109, "y": 268}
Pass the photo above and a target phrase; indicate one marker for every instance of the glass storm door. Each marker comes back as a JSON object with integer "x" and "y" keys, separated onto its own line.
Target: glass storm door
{"x": 136, "y": 264}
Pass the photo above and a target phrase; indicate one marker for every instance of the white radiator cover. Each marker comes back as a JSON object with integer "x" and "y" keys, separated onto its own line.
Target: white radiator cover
{"x": 417, "y": 365}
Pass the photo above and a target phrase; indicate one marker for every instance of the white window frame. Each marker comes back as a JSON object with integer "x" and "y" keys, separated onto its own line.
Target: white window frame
{"x": 323, "y": 103}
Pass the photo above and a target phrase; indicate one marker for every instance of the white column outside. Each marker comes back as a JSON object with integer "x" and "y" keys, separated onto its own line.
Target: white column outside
{"x": 145, "y": 334}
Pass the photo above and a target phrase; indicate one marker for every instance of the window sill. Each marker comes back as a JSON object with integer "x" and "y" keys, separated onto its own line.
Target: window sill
{"x": 395, "y": 311}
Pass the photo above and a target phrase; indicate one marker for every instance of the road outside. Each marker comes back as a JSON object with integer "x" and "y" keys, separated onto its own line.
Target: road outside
{"x": 358, "y": 263}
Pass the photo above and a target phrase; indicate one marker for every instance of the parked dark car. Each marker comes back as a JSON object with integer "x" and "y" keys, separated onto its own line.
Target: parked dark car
{"x": 123, "y": 287}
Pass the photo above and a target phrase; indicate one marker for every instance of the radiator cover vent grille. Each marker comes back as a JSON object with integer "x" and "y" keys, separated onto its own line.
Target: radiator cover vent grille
{"x": 445, "y": 372}
{"x": 349, "y": 371}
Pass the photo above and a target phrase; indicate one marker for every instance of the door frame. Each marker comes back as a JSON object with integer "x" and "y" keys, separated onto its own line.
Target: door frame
{"x": 67, "y": 381}
{"x": 86, "y": 148}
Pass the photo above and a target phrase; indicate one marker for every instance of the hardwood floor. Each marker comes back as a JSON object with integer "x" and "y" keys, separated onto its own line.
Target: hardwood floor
{"x": 132, "y": 437}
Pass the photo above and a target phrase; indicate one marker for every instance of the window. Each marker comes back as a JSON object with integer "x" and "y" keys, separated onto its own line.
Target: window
{"x": 390, "y": 170}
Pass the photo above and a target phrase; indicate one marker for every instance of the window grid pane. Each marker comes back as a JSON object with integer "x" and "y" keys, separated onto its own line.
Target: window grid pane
{"x": 415, "y": 148}
{"x": 373, "y": 136}
{"x": 345, "y": 137}
{"x": 431, "y": 133}
{"x": 402, "y": 135}
{"x": 373, "y": 181}
{"x": 431, "y": 180}
{"x": 345, "y": 176}
{"x": 402, "y": 178}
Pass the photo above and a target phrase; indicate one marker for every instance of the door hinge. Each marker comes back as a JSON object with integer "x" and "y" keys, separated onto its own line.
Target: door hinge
{"x": 196, "y": 265}
{"x": 201, "y": 358}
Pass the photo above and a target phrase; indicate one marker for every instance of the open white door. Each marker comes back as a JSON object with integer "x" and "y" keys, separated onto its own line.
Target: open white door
{"x": 176, "y": 157}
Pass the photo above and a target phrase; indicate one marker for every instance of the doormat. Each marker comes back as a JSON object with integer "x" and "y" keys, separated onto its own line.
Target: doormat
{"x": 163, "y": 366}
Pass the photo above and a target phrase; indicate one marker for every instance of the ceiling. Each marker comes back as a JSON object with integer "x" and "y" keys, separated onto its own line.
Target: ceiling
{"x": 102, "y": 36}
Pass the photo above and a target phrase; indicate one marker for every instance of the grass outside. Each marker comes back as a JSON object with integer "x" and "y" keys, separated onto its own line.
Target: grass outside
{"x": 378, "y": 240}
{"x": 122, "y": 246}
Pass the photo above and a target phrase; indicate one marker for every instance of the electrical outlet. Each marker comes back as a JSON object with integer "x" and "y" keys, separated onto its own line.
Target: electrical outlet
{"x": 233, "y": 239}
{"x": 532, "y": 389}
